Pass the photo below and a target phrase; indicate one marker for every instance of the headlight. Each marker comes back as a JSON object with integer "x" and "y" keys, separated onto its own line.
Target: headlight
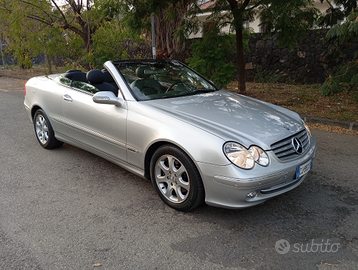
{"x": 307, "y": 128}
{"x": 259, "y": 155}
{"x": 245, "y": 158}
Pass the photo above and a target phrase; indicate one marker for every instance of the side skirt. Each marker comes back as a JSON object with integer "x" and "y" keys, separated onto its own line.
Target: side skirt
{"x": 125, "y": 165}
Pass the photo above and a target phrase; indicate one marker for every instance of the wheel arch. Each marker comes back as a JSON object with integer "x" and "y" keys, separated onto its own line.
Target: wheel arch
{"x": 34, "y": 110}
{"x": 151, "y": 150}
{"x": 148, "y": 156}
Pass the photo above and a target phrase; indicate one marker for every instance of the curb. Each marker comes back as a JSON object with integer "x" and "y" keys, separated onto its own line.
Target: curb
{"x": 325, "y": 121}
{"x": 309, "y": 119}
{"x": 15, "y": 77}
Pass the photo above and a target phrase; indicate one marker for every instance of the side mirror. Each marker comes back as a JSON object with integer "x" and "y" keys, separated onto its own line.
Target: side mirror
{"x": 107, "y": 97}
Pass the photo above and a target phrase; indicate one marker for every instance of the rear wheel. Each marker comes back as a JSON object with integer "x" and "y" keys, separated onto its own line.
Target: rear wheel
{"x": 176, "y": 179}
{"x": 44, "y": 132}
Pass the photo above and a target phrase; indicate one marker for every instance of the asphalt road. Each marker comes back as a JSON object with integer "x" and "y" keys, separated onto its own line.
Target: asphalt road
{"x": 69, "y": 209}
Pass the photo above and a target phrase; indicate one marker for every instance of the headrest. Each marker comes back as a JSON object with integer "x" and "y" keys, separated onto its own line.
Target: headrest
{"x": 95, "y": 76}
{"x": 141, "y": 72}
{"x": 107, "y": 76}
{"x": 76, "y": 76}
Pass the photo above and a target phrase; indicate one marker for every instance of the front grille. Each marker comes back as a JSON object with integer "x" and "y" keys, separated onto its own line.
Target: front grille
{"x": 284, "y": 149}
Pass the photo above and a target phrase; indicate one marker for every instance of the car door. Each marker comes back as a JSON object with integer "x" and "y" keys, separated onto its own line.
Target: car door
{"x": 95, "y": 127}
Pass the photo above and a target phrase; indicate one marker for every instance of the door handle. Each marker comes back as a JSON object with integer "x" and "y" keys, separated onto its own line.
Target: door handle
{"x": 67, "y": 98}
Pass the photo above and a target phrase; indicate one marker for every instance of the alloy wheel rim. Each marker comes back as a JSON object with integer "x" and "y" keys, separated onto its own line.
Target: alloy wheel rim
{"x": 42, "y": 131}
{"x": 172, "y": 179}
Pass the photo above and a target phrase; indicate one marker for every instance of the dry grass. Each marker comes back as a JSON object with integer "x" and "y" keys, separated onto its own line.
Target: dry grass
{"x": 35, "y": 71}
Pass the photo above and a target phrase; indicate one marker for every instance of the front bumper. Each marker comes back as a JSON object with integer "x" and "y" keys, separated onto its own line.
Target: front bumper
{"x": 228, "y": 186}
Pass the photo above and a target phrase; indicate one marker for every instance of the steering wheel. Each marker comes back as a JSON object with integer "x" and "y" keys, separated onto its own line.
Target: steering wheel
{"x": 170, "y": 88}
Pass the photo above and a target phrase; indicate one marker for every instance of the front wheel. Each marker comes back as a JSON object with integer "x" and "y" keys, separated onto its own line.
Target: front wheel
{"x": 176, "y": 179}
{"x": 44, "y": 132}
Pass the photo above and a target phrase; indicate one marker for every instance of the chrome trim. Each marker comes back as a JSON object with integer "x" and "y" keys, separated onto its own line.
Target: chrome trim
{"x": 251, "y": 182}
{"x": 132, "y": 149}
{"x": 297, "y": 145}
{"x": 67, "y": 97}
{"x": 285, "y": 149}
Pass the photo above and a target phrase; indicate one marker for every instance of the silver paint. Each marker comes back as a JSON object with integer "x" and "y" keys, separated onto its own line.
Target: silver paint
{"x": 199, "y": 125}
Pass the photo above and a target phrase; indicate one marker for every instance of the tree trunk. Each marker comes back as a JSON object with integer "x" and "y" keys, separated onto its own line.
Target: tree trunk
{"x": 237, "y": 13}
{"x": 240, "y": 62}
{"x": 48, "y": 62}
{"x": 166, "y": 45}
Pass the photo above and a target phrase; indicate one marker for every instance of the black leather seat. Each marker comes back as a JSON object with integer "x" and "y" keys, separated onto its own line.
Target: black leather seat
{"x": 146, "y": 85}
{"x": 97, "y": 79}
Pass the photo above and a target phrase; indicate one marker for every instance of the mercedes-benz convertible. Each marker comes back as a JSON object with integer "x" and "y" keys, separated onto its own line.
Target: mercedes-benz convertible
{"x": 165, "y": 122}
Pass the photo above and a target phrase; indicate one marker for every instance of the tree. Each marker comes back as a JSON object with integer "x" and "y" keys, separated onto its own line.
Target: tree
{"x": 81, "y": 17}
{"x": 107, "y": 43}
{"x": 288, "y": 19}
{"x": 337, "y": 11}
{"x": 28, "y": 37}
{"x": 210, "y": 57}
{"x": 167, "y": 15}
{"x": 346, "y": 76}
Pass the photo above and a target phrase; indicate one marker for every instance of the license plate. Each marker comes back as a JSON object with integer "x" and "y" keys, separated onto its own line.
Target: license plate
{"x": 303, "y": 169}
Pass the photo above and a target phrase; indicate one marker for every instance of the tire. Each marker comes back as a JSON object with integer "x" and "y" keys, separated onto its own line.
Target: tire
{"x": 44, "y": 132}
{"x": 176, "y": 178}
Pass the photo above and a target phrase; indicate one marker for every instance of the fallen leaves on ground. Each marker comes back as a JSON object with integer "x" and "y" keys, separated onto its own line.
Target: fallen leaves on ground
{"x": 333, "y": 129}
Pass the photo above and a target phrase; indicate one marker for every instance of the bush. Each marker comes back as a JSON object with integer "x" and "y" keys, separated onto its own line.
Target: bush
{"x": 345, "y": 78}
{"x": 211, "y": 57}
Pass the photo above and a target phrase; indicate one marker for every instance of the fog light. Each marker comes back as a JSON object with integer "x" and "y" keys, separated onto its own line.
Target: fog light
{"x": 251, "y": 195}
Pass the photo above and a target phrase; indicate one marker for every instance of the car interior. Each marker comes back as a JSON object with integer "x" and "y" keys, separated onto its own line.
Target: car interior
{"x": 100, "y": 80}
{"x": 145, "y": 83}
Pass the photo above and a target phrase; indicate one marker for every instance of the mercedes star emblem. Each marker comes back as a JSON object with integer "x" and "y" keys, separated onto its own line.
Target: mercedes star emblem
{"x": 297, "y": 145}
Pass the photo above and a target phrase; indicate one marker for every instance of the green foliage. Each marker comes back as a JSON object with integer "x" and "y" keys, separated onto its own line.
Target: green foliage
{"x": 345, "y": 32}
{"x": 211, "y": 57}
{"x": 346, "y": 76}
{"x": 287, "y": 20}
{"x": 337, "y": 11}
{"x": 34, "y": 27}
{"x": 107, "y": 43}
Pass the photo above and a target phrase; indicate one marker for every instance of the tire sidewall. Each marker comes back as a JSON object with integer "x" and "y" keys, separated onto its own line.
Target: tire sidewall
{"x": 195, "y": 196}
{"x": 52, "y": 141}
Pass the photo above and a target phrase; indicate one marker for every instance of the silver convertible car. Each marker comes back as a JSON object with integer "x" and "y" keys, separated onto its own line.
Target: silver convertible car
{"x": 163, "y": 121}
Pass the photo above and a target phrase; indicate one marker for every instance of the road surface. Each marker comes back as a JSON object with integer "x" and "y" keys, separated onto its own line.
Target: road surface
{"x": 69, "y": 209}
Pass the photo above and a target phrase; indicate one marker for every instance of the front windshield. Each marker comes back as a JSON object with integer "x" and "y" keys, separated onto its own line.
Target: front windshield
{"x": 162, "y": 79}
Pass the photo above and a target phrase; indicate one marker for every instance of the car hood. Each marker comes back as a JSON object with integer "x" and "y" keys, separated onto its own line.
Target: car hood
{"x": 233, "y": 117}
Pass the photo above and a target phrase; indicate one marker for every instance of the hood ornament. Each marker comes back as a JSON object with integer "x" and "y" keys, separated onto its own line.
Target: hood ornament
{"x": 297, "y": 145}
